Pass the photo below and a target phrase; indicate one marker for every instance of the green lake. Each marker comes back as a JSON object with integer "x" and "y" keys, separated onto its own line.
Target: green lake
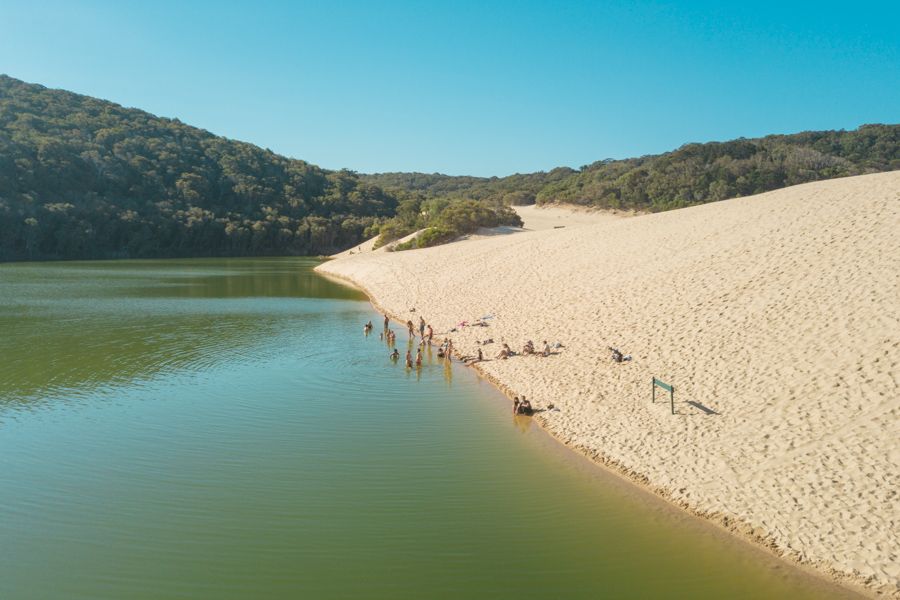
{"x": 223, "y": 429}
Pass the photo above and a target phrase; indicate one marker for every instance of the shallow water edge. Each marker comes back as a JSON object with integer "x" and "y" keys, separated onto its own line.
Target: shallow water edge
{"x": 731, "y": 526}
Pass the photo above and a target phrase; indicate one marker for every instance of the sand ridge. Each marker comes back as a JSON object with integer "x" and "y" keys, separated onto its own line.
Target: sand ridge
{"x": 779, "y": 312}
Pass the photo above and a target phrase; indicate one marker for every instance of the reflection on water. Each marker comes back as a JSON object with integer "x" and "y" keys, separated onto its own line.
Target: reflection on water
{"x": 220, "y": 429}
{"x": 90, "y": 325}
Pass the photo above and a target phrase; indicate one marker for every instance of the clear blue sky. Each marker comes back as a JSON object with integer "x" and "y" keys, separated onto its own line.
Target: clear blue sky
{"x": 470, "y": 88}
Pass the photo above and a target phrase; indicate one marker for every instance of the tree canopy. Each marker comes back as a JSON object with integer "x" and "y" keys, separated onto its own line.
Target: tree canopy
{"x": 692, "y": 174}
{"x": 86, "y": 178}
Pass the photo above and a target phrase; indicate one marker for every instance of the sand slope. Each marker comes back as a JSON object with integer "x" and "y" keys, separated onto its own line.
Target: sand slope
{"x": 781, "y": 312}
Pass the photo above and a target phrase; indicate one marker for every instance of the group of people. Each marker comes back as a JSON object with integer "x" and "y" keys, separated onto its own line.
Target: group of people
{"x": 445, "y": 350}
{"x": 528, "y": 349}
{"x": 425, "y": 334}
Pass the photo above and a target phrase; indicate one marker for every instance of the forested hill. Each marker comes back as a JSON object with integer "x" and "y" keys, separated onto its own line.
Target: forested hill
{"x": 86, "y": 178}
{"x": 692, "y": 174}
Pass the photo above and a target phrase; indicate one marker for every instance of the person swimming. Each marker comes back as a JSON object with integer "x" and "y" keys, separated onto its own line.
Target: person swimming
{"x": 395, "y": 355}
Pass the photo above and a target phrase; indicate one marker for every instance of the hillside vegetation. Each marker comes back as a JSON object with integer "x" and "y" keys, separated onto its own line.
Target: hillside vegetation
{"x": 692, "y": 174}
{"x": 86, "y": 178}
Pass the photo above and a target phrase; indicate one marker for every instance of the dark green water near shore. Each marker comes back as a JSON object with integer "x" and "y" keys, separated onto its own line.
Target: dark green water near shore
{"x": 223, "y": 429}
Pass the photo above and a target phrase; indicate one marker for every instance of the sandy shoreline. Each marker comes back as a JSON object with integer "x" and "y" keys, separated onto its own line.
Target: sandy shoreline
{"x": 779, "y": 312}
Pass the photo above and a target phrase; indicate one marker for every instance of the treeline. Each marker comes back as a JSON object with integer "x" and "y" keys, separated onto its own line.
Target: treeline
{"x": 86, "y": 178}
{"x": 693, "y": 174}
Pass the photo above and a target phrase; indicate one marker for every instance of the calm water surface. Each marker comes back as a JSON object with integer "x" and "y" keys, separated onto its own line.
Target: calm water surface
{"x": 222, "y": 429}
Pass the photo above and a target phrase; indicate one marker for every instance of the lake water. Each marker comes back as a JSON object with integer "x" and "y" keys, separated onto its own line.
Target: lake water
{"x": 223, "y": 429}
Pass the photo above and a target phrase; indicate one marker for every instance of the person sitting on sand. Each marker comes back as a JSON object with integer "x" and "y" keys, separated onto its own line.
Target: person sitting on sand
{"x": 506, "y": 352}
{"x": 471, "y": 360}
{"x": 525, "y": 407}
{"x": 395, "y": 355}
{"x": 618, "y": 357}
{"x": 546, "y": 351}
{"x": 408, "y": 360}
{"x": 529, "y": 348}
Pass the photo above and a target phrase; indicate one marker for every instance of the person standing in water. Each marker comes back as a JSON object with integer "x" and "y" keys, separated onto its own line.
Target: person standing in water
{"x": 421, "y": 327}
{"x": 408, "y": 360}
{"x": 409, "y": 327}
{"x": 387, "y": 321}
{"x": 395, "y": 355}
{"x": 418, "y": 358}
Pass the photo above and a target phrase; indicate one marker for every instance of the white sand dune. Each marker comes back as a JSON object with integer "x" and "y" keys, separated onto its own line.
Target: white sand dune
{"x": 780, "y": 312}
{"x": 538, "y": 218}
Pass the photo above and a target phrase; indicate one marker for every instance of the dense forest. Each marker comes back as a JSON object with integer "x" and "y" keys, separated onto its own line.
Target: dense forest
{"x": 693, "y": 174}
{"x": 86, "y": 178}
